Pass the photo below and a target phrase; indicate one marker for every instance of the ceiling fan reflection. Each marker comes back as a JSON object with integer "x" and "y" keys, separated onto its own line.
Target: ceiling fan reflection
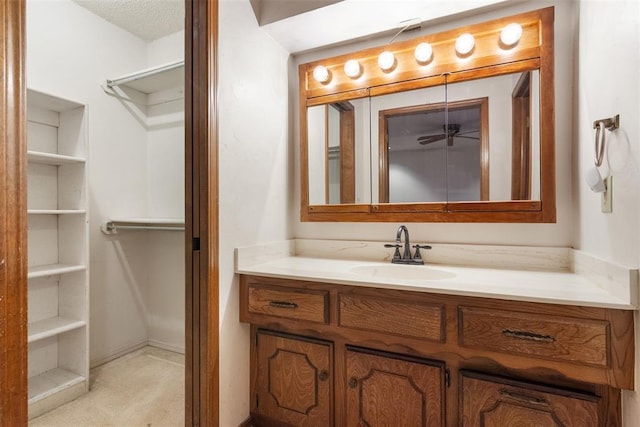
{"x": 451, "y": 131}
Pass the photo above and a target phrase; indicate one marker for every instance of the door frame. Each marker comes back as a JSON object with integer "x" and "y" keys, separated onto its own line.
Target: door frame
{"x": 201, "y": 215}
{"x": 13, "y": 216}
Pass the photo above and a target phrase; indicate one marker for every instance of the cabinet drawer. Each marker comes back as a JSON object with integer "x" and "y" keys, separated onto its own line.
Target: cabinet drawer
{"x": 495, "y": 402}
{"x": 407, "y": 318}
{"x": 573, "y": 340}
{"x": 300, "y": 304}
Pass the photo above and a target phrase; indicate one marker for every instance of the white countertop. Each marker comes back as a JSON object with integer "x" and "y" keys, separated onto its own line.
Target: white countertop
{"x": 608, "y": 290}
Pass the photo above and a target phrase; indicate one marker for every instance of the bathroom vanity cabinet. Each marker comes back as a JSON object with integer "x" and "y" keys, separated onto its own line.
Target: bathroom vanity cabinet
{"x": 325, "y": 354}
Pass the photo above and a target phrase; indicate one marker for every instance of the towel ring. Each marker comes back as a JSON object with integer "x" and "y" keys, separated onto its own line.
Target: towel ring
{"x": 610, "y": 124}
{"x": 599, "y": 146}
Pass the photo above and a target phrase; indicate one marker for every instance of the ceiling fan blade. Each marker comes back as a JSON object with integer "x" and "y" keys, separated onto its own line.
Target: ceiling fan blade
{"x": 428, "y": 139}
{"x": 467, "y": 137}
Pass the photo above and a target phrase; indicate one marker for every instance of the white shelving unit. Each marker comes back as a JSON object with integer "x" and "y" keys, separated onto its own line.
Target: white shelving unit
{"x": 58, "y": 246}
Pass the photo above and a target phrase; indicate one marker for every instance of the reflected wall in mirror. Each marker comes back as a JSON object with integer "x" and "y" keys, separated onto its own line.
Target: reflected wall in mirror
{"x": 339, "y": 152}
{"x": 511, "y": 155}
{"x": 455, "y": 139}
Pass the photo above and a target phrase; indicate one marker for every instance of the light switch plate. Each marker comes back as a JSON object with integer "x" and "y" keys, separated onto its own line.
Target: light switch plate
{"x": 606, "y": 203}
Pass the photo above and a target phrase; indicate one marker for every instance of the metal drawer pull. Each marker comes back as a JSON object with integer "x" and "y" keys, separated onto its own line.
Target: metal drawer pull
{"x": 324, "y": 375}
{"x": 532, "y": 400}
{"x": 283, "y": 304}
{"x": 353, "y": 382}
{"x": 524, "y": 335}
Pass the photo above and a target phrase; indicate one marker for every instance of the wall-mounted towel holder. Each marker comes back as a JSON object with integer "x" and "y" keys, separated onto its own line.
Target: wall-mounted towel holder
{"x": 609, "y": 124}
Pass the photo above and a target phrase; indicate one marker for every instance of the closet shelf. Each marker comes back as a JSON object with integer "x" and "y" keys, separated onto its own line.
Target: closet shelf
{"x": 152, "y": 79}
{"x": 56, "y": 211}
{"x": 51, "y": 382}
{"x": 51, "y": 327}
{"x": 53, "y": 269}
{"x": 52, "y": 159}
{"x": 112, "y": 226}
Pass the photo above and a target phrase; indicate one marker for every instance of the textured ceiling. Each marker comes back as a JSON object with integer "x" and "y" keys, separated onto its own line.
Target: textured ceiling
{"x": 148, "y": 19}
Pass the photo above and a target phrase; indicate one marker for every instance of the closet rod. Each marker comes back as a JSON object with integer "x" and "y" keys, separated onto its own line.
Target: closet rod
{"x": 144, "y": 73}
{"x": 114, "y": 227}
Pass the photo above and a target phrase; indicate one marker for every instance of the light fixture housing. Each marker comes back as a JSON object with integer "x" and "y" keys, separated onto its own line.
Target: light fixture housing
{"x": 465, "y": 44}
{"x": 386, "y": 61}
{"x": 321, "y": 74}
{"x": 423, "y": 53}
{"x": 352, "y": 68}
{"x": 511, "y": 34}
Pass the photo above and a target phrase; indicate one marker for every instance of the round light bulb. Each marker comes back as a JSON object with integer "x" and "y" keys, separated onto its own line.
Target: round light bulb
{"x": 465, "y": 44}
{"x": 511, "y": 34}
{"x": 321, "y": 74}
{"x": 352, "y": 68}
{"x": 386, "y": 61}
{"x": 423, "y": 52}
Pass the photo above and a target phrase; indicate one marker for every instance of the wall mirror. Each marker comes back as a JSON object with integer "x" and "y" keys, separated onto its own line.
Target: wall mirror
{"x": 465, "y": 137}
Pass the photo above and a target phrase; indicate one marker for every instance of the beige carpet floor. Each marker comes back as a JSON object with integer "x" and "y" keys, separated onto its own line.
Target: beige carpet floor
{"x": 144, "y": 388}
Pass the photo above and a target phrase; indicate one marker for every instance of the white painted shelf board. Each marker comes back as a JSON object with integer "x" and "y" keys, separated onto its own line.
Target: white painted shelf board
{"x": 51, "y": 382}
{"x": 53, "y": 326}
{"x": 56, "y": 211}
{"x": 51, "y": 102}
{"x": 52, "y": 269}
{"x": 52, "y": 159}
{"x": 153, "y": 221}
{"x": 153, "y": 79}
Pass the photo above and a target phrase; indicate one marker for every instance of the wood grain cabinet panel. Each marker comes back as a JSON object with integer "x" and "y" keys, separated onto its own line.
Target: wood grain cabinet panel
{"x": 406, "y": 318}
{"x": 568, "y": 339}
{"x": 494, "y": 402}
{"x": 324, "y": 354}
{"x": 294, "y": 380}
{"x": 300, "y": 304}
{"x": 390, "y": 390}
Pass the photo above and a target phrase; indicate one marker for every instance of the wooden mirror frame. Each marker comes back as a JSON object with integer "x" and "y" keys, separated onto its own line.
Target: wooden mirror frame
{"x": 488, "y": 58}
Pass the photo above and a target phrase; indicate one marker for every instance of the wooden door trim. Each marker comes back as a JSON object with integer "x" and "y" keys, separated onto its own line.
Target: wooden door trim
{"x": 202, "y": 354}
{"x": 201, "y": 214}
{"x": 13, "y": 218}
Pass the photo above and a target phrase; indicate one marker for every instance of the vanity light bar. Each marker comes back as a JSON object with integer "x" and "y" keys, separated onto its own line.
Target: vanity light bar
{"x": 423, "y": 53}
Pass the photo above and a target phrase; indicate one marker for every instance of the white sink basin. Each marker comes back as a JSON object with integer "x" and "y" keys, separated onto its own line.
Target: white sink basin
{"x": 400, "y": 271}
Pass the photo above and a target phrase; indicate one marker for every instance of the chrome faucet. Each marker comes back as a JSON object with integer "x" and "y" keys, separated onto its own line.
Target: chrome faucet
{"x": 406, "y": 257}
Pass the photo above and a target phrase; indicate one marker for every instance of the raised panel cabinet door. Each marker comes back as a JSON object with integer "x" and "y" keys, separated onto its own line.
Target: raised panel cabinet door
{"x": 294, "y": 380}
{"x": 391, "y": 390}
{"x": 488, "y": 403}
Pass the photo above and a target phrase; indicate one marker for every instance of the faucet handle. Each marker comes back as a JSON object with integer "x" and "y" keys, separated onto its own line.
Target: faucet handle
{"x": 417, "y": 248}
{"x": 396, "y": 254}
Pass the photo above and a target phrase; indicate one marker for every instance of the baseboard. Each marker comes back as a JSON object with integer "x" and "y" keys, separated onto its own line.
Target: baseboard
{"x": 168, "y": 347}
{"x": 117, "y": 354}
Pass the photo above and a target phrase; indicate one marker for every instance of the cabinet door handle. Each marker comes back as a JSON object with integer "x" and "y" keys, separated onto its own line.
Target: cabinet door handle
{"x": 283, "y": 304}
{"x": 532, "y": 400}
{"x": 524, "y": 335}
{"x": 324, "y": 375}
{"x": 353, "y": 382}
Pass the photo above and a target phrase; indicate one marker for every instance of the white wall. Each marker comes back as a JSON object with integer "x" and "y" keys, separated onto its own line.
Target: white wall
{"x": 165, "y": 291}
{"x": 254, "y": 173}
{"x": 70, "y": 53}
{"x": 609, "y": 85}
{"x": 558, "y": 234}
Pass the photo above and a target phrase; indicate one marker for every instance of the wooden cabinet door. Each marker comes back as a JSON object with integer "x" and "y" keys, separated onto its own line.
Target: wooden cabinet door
{"x": 493, "y": 402}
{"x": 392, "y": 390}
{"x": 294, "y": 380}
